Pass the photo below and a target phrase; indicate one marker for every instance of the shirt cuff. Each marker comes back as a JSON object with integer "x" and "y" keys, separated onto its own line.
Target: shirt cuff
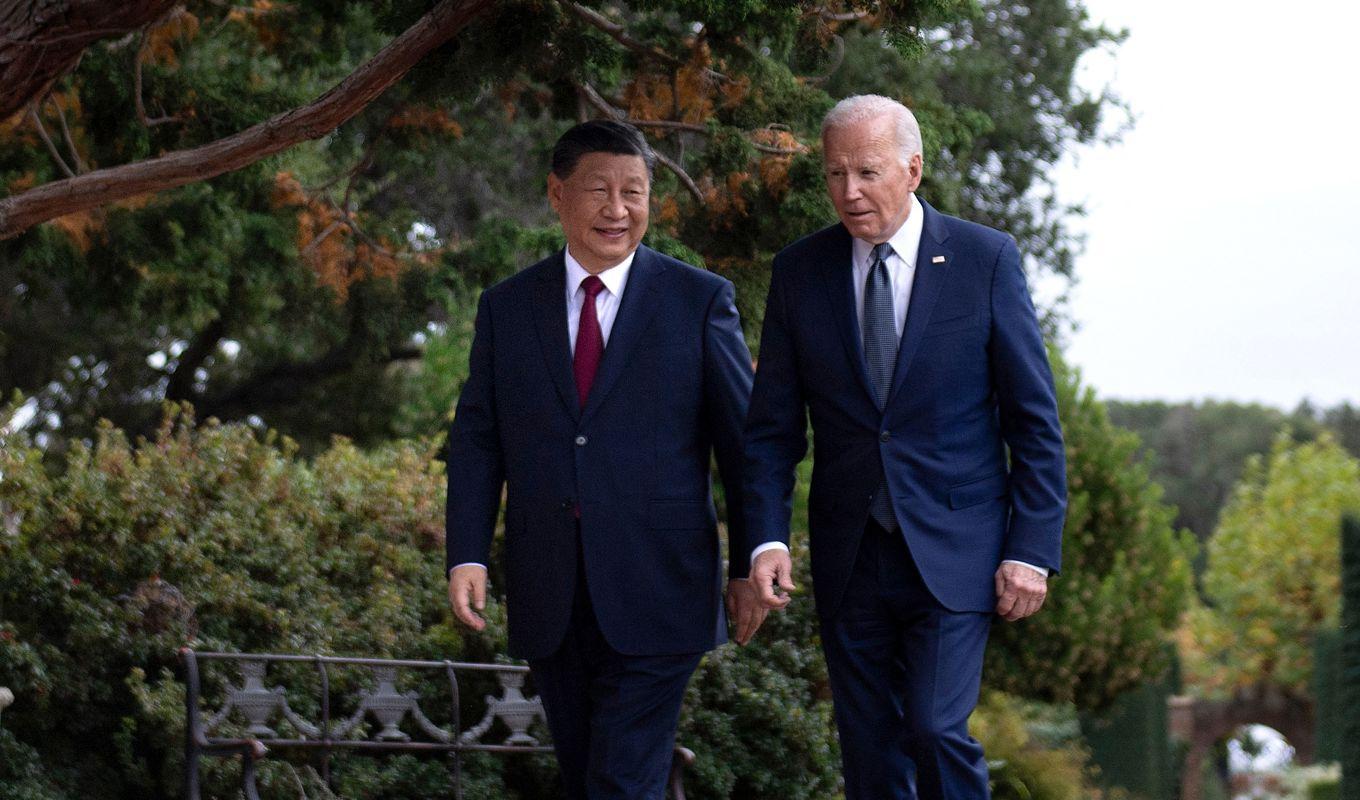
{"x": 1041, "y": 570}
{"x": 464, "y": 564}
{"x": 768, "y": 546}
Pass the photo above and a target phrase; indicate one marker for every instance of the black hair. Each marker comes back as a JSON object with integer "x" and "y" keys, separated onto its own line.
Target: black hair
{"x": 599, "y": 136}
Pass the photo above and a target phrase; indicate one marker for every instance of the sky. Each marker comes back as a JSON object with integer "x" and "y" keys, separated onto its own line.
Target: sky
{"x": 1223, "y": 231}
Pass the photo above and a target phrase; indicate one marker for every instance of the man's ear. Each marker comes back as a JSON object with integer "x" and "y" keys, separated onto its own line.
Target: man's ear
{"x": 916, "y": 169}
{"x": 554, "y": 191}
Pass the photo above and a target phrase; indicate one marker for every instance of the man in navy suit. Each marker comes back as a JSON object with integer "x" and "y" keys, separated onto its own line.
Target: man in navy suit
{"x": 938, "y": 487}
{"x": 602, "y": 380}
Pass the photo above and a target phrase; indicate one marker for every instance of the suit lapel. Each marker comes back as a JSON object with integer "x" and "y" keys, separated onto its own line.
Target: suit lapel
{"x": 550, "y": 320}
{"x": 638, "y": 307}
{"x": 839, "y": 275}
{"x": 932, "y": 268}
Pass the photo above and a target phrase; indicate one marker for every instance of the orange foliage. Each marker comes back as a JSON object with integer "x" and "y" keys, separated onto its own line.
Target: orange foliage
{"x": 669, "y": 212}
{"x": 327, "y": 243}
{"x": 159, "y": 47}
{"x": 424, "y": 118}
{"x": 21, "y": 183}
{"x": 255, "y": 15}
{"x": 725, "y": 206}
{"x": 83, "y": 227}
{"x": 686, "y": 95}
{"x": 774, "y": 167}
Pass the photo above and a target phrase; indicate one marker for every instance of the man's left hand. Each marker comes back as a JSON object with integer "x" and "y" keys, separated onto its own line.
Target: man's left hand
{"x": 1020, "y": 591}
{"x": 744, "y": 609}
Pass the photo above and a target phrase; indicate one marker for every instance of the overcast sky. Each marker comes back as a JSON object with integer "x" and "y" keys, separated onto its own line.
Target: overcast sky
{"x": 1224, "y": 231}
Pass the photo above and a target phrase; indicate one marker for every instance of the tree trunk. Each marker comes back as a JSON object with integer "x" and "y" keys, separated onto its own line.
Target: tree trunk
{"x": 280, "y": 132}
{"x": 40, "y": 40}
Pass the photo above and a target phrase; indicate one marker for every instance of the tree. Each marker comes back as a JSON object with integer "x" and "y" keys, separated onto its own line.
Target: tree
{"x": 304, "y": 290}
{"x": 1273, "y": 576}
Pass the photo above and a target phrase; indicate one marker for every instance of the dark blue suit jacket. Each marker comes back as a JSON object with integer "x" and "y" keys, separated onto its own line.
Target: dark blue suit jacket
{"x": 972, "y": 378}
{"x": 671, "y": 391}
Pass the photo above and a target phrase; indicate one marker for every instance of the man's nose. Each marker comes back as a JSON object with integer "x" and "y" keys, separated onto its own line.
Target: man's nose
{"x": 615, "y": 208}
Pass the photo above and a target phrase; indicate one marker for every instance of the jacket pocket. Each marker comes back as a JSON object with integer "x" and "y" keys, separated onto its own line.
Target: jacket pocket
{"x": 679, "y": 514}
{"x": 952, "y": 325}
{"x": 979, "y": 490}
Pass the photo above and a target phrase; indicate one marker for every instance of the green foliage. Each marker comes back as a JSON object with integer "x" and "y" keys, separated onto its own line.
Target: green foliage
{"x": 1273, "y": 580}
{"x": 1024, "y": 766}
{"x": 296, "y": 290}
{"x": 1350, "y": 657}
{"x": 1125, "y": 577}
{"x": 218, "y": 538}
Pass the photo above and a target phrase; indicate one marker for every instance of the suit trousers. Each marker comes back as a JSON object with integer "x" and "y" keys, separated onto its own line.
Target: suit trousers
{"x": 905, "y": 674}
{"x": 612, "y": 716}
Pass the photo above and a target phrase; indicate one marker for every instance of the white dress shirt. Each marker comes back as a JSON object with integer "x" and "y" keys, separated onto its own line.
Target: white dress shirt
{"x": 906, "y": 243}
{"x": 615, "y": 278}
{"x": 606, "y": 302}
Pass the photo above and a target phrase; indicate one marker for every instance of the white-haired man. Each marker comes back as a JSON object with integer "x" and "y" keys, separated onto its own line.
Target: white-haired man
{"x": 938, "y": 490}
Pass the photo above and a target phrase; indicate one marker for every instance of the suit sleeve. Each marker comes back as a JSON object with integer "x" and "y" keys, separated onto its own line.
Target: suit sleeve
{"x": 776, "y": 426}
{"x": 727, "y": 393}
{"x": 476, "y": 467}
{"x": 1029, "y": 419}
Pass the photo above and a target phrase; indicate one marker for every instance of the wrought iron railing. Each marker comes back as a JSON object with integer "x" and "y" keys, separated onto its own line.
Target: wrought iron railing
{"x": 380, "y": 717}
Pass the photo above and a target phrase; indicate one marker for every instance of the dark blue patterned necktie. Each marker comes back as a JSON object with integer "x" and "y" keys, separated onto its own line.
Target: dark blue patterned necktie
{"x": 879, "y": 333}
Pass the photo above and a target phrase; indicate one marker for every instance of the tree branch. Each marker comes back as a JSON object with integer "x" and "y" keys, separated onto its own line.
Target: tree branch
{"x": 593, "y": 97}
{"x": 66, "y": 136}
{"x": 43, "y": 39}
{"x": 312, "y": 121}
{"x": 137, "y": 92}
{"x": 47, "y": 140}
{"x": 619, "y": 34}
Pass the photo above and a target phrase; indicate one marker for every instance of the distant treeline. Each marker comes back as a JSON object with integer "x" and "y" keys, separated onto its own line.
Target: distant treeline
{"x": 1196, "y": 451}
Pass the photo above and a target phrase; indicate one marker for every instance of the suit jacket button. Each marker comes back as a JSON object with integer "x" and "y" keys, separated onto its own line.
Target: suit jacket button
{"x": 567, "y": 505}
{"x": 580, "y": 441}
{"x": 884, "y": 436}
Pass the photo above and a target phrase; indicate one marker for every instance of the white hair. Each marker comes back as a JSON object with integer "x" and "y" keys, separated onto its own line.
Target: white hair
{"x": 864, "y": 107}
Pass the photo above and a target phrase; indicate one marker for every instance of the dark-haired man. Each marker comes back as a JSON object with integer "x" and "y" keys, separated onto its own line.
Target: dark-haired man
{"x": 602, "y": 380}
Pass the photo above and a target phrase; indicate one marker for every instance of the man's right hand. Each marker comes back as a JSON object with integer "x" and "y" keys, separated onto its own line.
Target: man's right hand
{"x": 467, "y": 590}
{"x": 773, "y": 568}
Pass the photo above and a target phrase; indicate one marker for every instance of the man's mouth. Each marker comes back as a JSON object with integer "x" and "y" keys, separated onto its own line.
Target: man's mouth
{"x": 613, "y": 233}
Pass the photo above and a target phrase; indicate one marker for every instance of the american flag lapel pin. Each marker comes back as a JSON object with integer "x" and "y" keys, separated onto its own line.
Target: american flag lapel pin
{"x": 937, "y": 260}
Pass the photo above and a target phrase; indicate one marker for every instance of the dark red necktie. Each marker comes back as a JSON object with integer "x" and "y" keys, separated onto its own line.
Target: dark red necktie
{"x": 589, "y": 340}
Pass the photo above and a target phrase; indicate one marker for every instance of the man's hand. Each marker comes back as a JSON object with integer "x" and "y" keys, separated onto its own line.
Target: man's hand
{"x": 467, "y": 590}
{"x": 1020, "y": 591}
{"x": 744, "y": 609}
{"x": 773, "y": 568}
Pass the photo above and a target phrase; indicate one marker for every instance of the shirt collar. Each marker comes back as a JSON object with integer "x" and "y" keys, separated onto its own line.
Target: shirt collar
{"x": 905, "y": 241}
{"x": 614, "y": 278}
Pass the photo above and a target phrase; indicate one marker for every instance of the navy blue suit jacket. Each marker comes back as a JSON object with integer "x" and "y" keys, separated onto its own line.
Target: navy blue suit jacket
{"x": 972, "y": 378}
{"x": 670, "y": 392}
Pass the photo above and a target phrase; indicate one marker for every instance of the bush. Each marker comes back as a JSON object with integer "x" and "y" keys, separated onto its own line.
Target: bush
{"x": 219, "y": 538}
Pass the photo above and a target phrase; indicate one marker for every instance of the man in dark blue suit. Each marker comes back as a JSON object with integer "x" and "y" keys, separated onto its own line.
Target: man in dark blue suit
{"x": 938, "y": 488}
{"x": 602, "y": 380}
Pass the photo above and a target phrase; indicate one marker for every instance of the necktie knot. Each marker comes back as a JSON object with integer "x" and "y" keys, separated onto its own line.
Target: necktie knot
{"x": 592, "y": 286}
{"x": 882, "y": 251}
